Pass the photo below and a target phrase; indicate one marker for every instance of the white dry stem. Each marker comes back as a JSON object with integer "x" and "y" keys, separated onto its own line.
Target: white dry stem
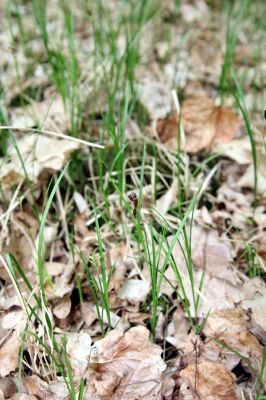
{"x": 177, "y": 107}
{"x": 182, "y": 137}
{"x": 56, "y": 134}
{"x": 12, "y": 205}
{"x": 63, "y": 217}
{"x": 207, "y": 180}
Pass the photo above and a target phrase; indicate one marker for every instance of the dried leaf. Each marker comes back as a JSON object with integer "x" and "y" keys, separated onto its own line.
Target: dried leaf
{"x": 62, "y": 309}
{"x": 204, "y": 124}
{"x": 9, "y": 355}
{"x": 126, "y": 366}
{"x": 177, "y": 332}
{"x": 8, "y": 386}
{"x": 231, "y": 327}
{"x": 40, "y": 155}
{"x": 166, "y": 201}
{"x": 55, "y": 390}
{"x": 213, "y": 382}
{"x": 51, "y": 115}
{"x": 254, "y": 300}
{"x": 156, "y": 98}
{"x": 78, "y": 349}
{"x": 134, "y": 291}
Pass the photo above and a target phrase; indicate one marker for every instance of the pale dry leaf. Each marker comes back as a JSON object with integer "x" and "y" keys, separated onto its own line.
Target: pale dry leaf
{"x": 156, "y": 98}
{"x": 78, "y": 349}
{"x": 177, "y": 332}
{"x": 209, "y": 253}
{"x": 54, "y": 268}
{"x": 126, "y": 366}
{"x": 134, "y": 291}
{"x": 119, "y": 259}
{"x": 9, "y": 354}
{"x": 115, "y": 319}
{"x": 62, "y": 309}
{"x": 168, "y": 199}
{"x": 132, "y": 130}
{"x": 89, "y": 313}
{"x": 248, "y": 180}
{"x": 238, "y": 150}
{"x": 254, "y": 300}
{"x": 50, "y": 114}
{"x": 41, "y": 155}
{"x": 62, "y": 284}
{"x": 213, "y": 382}
{"x": 193, "y": 12}
{"x": 13, "y": 319}
{"x": 49, "y": 235}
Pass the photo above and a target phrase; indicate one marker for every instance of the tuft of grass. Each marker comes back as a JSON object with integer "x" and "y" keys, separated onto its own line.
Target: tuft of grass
{"x": 53, "y": 356}
{"x": 234, "y": 20}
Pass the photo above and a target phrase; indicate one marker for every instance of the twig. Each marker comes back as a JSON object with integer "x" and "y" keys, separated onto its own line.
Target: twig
{"x": 60, "y": 135}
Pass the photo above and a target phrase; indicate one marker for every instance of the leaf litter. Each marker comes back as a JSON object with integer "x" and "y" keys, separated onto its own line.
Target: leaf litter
{"x": 196, "y": 350}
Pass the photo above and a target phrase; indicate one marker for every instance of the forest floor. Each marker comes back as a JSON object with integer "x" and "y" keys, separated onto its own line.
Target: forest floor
{"x": 132, "y": 200}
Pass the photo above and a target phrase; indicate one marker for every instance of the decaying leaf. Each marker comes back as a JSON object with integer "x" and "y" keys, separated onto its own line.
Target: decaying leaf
{"x": 126, "y": 366}
{"x": 207, "y": 380}
{"x": 40, "y": 154}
